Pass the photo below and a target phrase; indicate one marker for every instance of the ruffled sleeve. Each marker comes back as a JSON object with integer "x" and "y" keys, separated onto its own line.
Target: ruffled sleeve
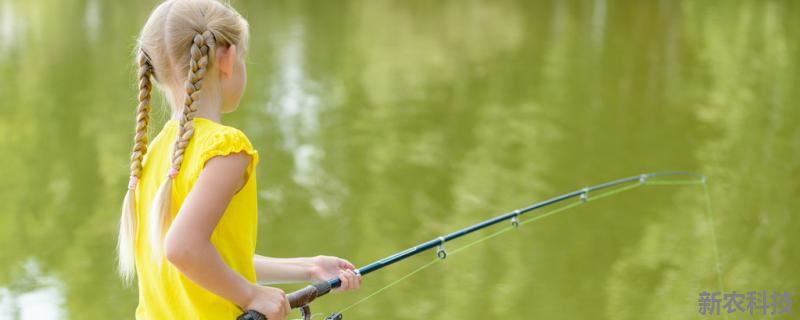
{"x": 225, "y": 141}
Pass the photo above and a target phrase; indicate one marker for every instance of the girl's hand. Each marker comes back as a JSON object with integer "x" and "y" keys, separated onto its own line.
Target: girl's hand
{"x": 324, "y": 268}
{"x": 269, "y": 301}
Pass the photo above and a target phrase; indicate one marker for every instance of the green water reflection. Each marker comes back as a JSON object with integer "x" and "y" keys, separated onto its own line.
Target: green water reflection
{"x": 382, "y": 124}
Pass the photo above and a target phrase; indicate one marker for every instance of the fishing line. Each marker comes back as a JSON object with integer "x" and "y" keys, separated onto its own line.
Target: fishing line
{"x": 583, "y": 200}
{"x": 713, "y": 237}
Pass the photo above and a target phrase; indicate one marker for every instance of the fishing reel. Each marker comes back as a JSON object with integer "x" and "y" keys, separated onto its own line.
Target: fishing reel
{"x": 304, "y": 310}
{"x": 299, "y": 299}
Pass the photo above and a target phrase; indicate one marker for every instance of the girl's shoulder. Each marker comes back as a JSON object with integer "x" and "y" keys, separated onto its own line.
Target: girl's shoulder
{"x": 215, "y": 139}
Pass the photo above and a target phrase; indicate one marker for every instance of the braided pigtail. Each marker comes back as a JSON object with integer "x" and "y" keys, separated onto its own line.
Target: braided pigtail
{"x": 127, "y": 225}
{"x": 199, "y": 57}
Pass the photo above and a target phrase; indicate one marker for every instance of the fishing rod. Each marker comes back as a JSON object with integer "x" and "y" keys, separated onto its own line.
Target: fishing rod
{"x": 303, "y": 297}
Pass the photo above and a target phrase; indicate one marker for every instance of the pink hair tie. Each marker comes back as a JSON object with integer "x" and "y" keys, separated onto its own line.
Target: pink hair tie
{"x": 172, "y": 173}
{"x": 132, "y": 183}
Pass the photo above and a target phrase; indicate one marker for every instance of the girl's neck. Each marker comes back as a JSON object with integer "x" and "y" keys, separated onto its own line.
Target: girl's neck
{"x": 213, "y": 116}
{"x": 208, "y": 108}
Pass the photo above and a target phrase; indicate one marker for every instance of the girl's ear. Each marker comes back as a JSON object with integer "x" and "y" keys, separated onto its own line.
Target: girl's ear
{"x": 226, "y": 57}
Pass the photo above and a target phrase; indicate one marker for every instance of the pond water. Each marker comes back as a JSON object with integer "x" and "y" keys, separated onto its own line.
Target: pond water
{"x": 384, "y": 124}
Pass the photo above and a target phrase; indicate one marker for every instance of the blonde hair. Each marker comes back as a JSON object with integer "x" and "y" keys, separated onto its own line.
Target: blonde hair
{"x": 177, "y": 44}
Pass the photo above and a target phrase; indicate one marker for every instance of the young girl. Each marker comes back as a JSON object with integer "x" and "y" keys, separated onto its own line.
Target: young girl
{"x": 189, "y": 218}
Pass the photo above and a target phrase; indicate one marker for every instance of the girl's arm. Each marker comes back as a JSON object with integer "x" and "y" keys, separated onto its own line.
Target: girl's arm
{"x": 188, "y": 245}
{"x": 282, "y": 270}
{"x": 313, "y": 269}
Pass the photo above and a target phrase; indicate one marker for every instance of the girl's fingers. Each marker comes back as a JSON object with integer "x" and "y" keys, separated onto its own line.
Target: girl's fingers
{"x": 344, "y": 264}
{"x": 349, "y": 280}
{"x": 345, "y": 280}
{"x": 286, "y": 306}
{"x": 358, "y": 280}
{"x": 353, "y": 280}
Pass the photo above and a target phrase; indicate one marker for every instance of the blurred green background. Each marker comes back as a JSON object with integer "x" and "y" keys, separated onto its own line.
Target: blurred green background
{"x": 382, "y": 124}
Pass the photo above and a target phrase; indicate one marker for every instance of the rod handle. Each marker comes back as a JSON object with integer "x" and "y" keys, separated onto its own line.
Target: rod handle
{"x": 297, "y": 299}
{"x": 251, "y": 315}
{"x": 305, "y": 295}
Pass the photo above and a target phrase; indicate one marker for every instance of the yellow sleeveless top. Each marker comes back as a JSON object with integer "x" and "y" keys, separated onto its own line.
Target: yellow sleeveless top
{"x": 164, "y": 292}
